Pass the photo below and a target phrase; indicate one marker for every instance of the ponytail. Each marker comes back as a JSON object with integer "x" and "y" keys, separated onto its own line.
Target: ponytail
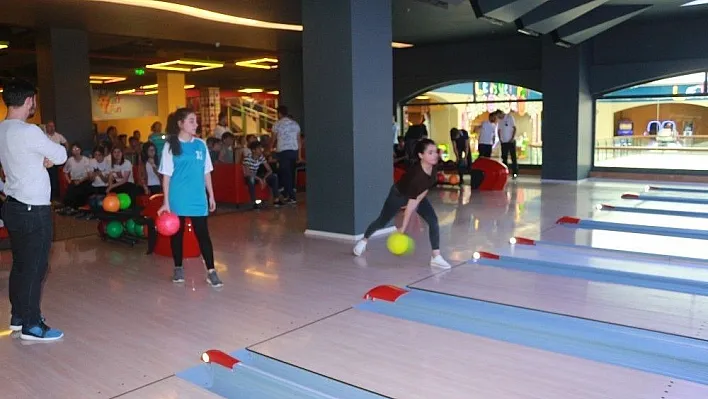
{"x": 173, "y": 129}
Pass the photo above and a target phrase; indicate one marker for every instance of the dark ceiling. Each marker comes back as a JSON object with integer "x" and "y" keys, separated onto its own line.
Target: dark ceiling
{"x": 124, "y": 37}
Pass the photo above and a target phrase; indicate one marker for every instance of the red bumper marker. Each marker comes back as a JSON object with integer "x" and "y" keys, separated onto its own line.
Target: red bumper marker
{"x": 568, "y": 220}
{"x": 524, "y": 241}
{"x": 220, "y": 358}
{"x": 603, "y": 206}
{"x": 488, "y": 255}
{"x": 389, "y": 293}
{"x": 630, "y": 196}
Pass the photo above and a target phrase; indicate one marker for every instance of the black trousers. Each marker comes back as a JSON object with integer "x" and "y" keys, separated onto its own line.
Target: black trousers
{"x": 485, "y": 150}
{"x": 77, "y": 195}
{"x": 286, "y": 171}
{"x": 201, "y": 230}
{"x": 30, "y": 231}
{"x": 393, "y": 204}
{"x": 509, "y": 150}
{"x": 54, "y": 181}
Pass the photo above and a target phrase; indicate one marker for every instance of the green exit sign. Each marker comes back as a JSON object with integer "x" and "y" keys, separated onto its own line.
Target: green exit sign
{"x": 139, "y": 72}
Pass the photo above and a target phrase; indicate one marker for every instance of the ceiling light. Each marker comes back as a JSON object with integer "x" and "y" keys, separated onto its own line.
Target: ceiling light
{"x": 422, "y": 98}
{"x": 95, "y": 82}
{"x": 4, "y": 45}
{"x": 148, "y": 93}
{"x": 274, "y": 92}
{"x": 189, "y": 87}
{"x": 106, "y": 79}
{"x": 401, "y": 45}
{"x": 186, "y": 65}
{"x": 212, "y": 15}
{"x": 695, "y": 3}
{"x": 251, "y": 91}
{"x": 260, "y": 63}
{"x": 152, "y": 86}
{"x": 130, "y": 91}
{"x": 202, "y": 14}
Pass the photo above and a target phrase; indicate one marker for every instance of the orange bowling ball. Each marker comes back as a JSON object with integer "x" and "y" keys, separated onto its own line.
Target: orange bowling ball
{"x": 454, "y": 180}
{"x": 111, "y": 203}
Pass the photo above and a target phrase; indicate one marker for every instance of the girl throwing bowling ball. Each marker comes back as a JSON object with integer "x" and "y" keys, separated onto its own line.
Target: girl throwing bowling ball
{"x": 411, "y": 191}
{"x": 186, "y": 167}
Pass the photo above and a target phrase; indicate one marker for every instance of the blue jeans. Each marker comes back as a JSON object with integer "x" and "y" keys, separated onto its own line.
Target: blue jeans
{"x": 271, "y": 181}
{"x": 286, "y": 170}
{"x": 30, "y": 230}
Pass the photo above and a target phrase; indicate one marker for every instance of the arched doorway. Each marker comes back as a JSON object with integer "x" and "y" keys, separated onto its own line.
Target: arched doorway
{"x": 657, "y": 125}
{"x": 467, "y": 105}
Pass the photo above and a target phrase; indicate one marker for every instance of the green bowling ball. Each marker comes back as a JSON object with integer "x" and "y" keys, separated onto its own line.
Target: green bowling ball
{"x": 130, "y": 227}
{"x": 124, "y": 200}
{"x": 114, "y": 229}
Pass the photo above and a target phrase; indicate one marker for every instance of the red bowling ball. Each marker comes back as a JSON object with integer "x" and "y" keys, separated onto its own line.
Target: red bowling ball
{"x": 167, "y": 224}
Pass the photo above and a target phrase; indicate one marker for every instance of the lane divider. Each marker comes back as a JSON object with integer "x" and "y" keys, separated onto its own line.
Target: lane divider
{"x": 677, "y": 189}
{"x": 632, "y": 228}
{"x": 664, "y": 198}
{"x": 651, "y": 211}
{"x": 590, "y": 250}
{"x": 597, "y": 274}
{"x": 248, "y": 374}
{"x": 654, "y": 352}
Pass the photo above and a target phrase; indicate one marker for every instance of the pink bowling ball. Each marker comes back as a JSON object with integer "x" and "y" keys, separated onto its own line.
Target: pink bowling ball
{"x": 167, "y": 224}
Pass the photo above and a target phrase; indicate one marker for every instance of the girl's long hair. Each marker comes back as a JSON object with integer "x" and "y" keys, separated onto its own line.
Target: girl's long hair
{"x": 146, "y": 148}
{"x": 173, "y": 129}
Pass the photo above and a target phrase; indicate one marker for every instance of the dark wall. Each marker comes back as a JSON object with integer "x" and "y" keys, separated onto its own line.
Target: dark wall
{"x": 635, "y": 53}
{"x": 514, "y": 60}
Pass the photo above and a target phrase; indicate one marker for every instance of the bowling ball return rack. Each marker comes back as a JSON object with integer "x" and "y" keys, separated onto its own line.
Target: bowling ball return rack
{"x": 126, "y": 238}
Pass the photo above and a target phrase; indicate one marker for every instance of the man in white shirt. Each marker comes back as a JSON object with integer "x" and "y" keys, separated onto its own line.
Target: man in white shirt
{"x": 222, "y": 126}
{"x": 288, "y": 143}
{"x": 25, "y": 153}
{"x": 487, "y": 136}
{"x": 507, "y": 136}
{"x": 54, "y": 170}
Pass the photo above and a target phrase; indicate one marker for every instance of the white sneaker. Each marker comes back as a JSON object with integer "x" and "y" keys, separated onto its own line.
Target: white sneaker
{"x": 359, "y": 248}
{"x": 439, "y": 261}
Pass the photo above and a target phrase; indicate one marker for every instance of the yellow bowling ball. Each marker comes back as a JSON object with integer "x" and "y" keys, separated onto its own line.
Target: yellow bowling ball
{"x": 400, "y": 244}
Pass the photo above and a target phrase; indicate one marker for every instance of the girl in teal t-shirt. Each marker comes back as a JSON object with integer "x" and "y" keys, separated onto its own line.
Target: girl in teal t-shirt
{"x": 186, "y": 167}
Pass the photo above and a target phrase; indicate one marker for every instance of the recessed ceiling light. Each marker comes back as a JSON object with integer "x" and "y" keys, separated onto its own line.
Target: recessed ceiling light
{"x": 274, "y": 92}
{"x": 251, "y": 91}
{"x": 695, "y": 3}
{"x": 260, "y": 63}
{"x": 4, "y": 45}
{"x": 186, "y": 65}
{"x": 214, "y": 16}
{"x": 100, "y": 79}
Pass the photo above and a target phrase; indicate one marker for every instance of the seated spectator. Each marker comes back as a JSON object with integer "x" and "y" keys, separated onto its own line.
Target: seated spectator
{"x": 257, "y": 170}
{"x": 77, "y": 170}
{"x": 120, "y": 179}
{"x": 226, "y": 155}
{"x": 150, "y": 178}
{"x": 250, "y": 138}
{"x": 214, "y": 146}
{"x": 99, "y": 171}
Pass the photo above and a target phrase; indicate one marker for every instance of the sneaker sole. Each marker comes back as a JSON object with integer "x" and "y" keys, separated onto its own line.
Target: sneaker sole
{"x": 441, "y": 266}
{"x": 15, "y": 328}
{"x": 38, "y": 339}
{"x": 214, "y": 285}
{"x": 178, "y": 281}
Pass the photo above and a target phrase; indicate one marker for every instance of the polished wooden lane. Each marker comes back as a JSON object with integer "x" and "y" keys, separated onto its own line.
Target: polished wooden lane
{"x": 403, "y": 359}
{"x": 665, "y": 311}
{"x": 128, "y": 327}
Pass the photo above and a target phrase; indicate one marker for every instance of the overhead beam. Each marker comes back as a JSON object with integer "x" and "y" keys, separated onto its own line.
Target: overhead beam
{"x": 554, "y": 14}
{"x": 596, "y": 21}
{"x": 503, "y": 11}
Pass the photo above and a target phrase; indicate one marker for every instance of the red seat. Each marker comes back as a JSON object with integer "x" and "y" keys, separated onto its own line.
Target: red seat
{"x": 230, "y": 185}
{"x": 163, "y": 246}
{"x": 496, "y": 174}
{"x": 398, "y": 173}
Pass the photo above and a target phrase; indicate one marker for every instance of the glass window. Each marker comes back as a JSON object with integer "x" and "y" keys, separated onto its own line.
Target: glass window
{"x": 466, "y": 105}
{"x": 657, "y": 125}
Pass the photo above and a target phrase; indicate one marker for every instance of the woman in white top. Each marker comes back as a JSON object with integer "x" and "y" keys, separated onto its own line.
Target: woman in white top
{"x": 121, "y": 178}
{"x": 150, "y": 178}
{"x": 100, "y": 171}
{"x": 78, "y": 172}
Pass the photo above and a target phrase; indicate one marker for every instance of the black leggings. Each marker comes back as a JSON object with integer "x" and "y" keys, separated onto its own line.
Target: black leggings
{"x": 393, "y": 204}
{"x": 201, "y": 230}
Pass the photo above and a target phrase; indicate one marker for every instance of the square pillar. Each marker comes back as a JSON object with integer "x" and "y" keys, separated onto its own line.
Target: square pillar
{"x": 209, "y": 108}
{"x": 63, "y": 71}
{"x": 291, "y": 90}
{"x": 348, "y": 92}
{"x": 568, "y": 116}
{"x": 171, "y": 94}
